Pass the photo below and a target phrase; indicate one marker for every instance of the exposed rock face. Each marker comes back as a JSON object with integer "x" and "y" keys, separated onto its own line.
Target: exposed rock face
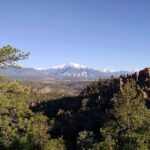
{"x": 47, "y": 89}
{"x": 106, "y": 89}
{"x": 42, "y": 90}
{"x": 142, "y": 79}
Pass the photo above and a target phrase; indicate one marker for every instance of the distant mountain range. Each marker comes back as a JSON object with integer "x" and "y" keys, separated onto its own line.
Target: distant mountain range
{"x": 67, "y": 71}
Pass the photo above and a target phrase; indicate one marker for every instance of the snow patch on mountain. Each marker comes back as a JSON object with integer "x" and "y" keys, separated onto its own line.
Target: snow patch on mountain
{"x": 40, "y": 68}
{"x": 73, "y": 65}
{"x": 107, "y": 70}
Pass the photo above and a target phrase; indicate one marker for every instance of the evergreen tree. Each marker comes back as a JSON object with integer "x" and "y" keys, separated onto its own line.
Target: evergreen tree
{"x": 9, "y": 55}
{"x": 129, "y": 124}
{"x": 85, "y": 140}
{"x": 20, "y": 128}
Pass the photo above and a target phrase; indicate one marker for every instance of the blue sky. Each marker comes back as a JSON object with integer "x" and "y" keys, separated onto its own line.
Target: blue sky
{"x": 111, "y": 34}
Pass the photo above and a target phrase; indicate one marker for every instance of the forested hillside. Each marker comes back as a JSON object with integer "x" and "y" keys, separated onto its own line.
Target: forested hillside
{"x": 109, "y": 114}
{"x": 20, "y": 128}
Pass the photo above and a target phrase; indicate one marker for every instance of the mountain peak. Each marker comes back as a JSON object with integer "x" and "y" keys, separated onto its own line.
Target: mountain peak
{"x": 73, "y": 65}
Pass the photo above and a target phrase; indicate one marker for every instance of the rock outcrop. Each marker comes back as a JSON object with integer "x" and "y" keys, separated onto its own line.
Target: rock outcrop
{"x": 107, "y": 88}
{"x": 142, "y": 79}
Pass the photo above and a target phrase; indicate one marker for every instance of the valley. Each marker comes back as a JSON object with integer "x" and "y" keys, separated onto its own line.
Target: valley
{"x": 74, "y": 75}
{"x": 78, "y": 110}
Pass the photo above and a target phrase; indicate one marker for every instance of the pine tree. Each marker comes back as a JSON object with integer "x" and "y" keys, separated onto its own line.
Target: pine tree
{"x": 85, "y": 140}
{"x": 10, "y": 55}
{"x": 129, "y": 124}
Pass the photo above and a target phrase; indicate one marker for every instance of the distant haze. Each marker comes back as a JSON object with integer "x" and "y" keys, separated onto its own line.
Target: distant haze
{"x": 63, "y": 72}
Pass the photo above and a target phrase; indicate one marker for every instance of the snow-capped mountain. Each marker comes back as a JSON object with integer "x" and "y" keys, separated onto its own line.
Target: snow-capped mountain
{"x": 71, "y": 71}
{"x": 72, "y": 65}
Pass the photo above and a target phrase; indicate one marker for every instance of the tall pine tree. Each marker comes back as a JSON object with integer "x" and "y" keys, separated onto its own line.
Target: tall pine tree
{"x": 129, "y": 124}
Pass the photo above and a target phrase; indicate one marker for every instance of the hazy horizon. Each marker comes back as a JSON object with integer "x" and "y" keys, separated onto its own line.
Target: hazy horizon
{"x": 98, "y": 34}
{"x": 89, "y": 67}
